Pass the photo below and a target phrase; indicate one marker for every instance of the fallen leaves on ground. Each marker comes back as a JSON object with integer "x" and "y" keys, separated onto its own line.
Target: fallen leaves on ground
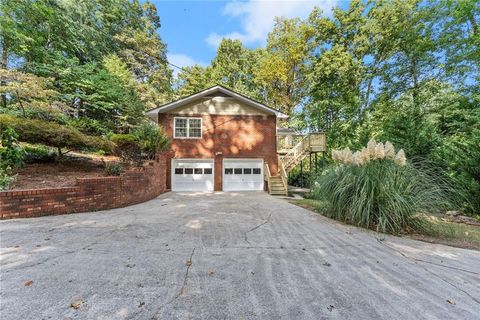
{"x": 451, "y": 301}
{"x": 76, "y": 304}
{"x": 28, "y": 283}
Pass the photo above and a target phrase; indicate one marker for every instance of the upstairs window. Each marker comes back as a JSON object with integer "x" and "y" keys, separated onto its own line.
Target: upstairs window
{"x": 187, "y": 128}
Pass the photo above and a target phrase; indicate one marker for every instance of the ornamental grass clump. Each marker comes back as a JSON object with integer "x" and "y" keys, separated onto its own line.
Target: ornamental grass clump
{"x": 378, "y": 188}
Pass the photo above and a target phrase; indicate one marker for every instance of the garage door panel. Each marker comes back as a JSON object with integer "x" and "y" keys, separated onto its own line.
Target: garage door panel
{"x": 242, "y": 174}
{"x": 192, "y": 175}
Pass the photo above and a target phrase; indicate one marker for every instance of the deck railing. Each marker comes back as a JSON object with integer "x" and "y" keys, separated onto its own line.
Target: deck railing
{"x": 312, "y": 142}
{"x": 316, "y": 142}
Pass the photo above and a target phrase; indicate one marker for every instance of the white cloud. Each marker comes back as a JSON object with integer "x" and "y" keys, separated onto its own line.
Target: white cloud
{"x": 257, "y": 17}
{"x": 182, "y": 60}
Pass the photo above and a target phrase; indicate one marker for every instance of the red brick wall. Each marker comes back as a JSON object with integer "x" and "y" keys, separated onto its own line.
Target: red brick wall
{"x": 234, "y": 136}
{"x": 89, "y": 194}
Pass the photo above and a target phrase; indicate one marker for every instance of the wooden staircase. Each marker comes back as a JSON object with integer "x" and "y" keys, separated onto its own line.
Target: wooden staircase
{"x": 312, "y": 142}
{"x": 277, "y": 187}
{"x": 278, "y": 184}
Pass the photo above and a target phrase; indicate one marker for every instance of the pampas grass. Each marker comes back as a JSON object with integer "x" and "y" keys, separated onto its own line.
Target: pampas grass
{"x": 374, "y": 189}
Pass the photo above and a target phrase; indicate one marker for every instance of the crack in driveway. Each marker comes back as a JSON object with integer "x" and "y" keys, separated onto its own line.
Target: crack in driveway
{"x": 256, "y": 227}
{"x": 419, "y": 261}
{"x": 189, "y": 264}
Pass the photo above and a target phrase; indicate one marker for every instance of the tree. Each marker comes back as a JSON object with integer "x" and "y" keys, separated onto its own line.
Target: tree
{"x": 28, "y": 92}
{"x": 233, "y": 67}
{"x": 71, "y": 42}
{"x": 194, "y": 79}
{"x": 280, "y": 74}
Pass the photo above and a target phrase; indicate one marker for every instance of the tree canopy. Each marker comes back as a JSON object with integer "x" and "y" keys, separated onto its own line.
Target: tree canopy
{"x": 103, "y": 60}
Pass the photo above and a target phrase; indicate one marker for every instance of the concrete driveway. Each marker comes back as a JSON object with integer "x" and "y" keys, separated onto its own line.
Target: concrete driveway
{"x": 226, "y": 256}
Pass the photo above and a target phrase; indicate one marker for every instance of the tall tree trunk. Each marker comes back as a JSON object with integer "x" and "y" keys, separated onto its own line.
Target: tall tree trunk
{"x": 3, "y": 65}
{"x": 414, "y": 73}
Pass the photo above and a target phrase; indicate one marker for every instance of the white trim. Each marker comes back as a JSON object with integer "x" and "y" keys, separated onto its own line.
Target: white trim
{"x": 243, "y": 159}
{"x": 188, "y": 128}
{"x": 172, "y": 168}
{"x": 247, "y": 101}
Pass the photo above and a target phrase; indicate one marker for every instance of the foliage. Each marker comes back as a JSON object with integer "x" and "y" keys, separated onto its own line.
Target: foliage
{"x": 151, "y": 139}
{"x": 27, "y": 91}
{"x": 379, "y": 194}
{"x": 378, "y": 188}
{"x": 299, "y": 178}
{"x": 113, "y": 169}
{"x": 11, "y": 153}
{"x": 193, "y": 79}
{"x": 6, "y": 178}
{"x": 281, "y": 71}
{"x": 93, "y": 61}
{"x": 127, "y": 148}
{"x": 53, "y": 134}
{"x": 233, "y": 67}
{"x": 39, "y": 154}
{"x": 11, "y": 156}
{"x": 145, "y": 141}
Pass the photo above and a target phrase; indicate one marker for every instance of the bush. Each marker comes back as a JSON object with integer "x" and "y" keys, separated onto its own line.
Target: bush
{"x": 11, "y": 157}
{"x": 127, "y": 148}
{"x": 11, "y": 154}
{"x": 151, "y": 139}
{"x": 39, "y": 154}
{"x": 53, "y": 134}
{"x": 379, "y": 188}
{"x": 6, "y": 178}
{"x": 299, "y": 178}
{"x": 113, "y": 169}
{"x": 144, "y": 142}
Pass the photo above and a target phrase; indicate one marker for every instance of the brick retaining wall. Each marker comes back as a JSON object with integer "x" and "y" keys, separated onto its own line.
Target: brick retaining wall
{"x": 89, "y": 194}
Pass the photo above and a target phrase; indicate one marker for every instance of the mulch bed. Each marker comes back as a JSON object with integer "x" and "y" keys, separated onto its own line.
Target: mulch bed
{"x": 57, "y": 174}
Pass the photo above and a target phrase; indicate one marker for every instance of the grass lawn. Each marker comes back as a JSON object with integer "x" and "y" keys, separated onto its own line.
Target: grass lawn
{"x": 444, "y": 232}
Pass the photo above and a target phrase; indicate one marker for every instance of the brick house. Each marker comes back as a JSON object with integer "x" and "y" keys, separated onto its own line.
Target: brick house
{"x": 220, "y": 140}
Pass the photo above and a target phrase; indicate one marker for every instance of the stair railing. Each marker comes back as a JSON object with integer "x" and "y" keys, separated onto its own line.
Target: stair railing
{"x": 267, "y": 176}
{"x": 283, "y": 175}
{"x": 296, "y": 152}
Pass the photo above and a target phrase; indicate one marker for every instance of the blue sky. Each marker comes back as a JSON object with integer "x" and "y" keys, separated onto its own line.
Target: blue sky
{"x": 193, "y": 29}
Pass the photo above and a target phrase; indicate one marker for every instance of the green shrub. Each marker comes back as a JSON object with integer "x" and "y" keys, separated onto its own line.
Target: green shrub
{"x": 39, "y": 154}
{"x": 144, "y": 142}
{"x": 11, "y": 157}
{"x": 6, "y": 178}
{"x": 379, "y": 188}
{"x": 127, "y": 148}
{"x": 113, "y": 169}
{"x": 151, "y": 139}
{"x": 299, "y": 178}
{"x": 53, "y": 134}
{"x": 11, "y": 154}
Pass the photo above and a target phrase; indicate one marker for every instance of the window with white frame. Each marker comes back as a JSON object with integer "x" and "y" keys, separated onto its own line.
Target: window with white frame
{"x": 187, "y": 127}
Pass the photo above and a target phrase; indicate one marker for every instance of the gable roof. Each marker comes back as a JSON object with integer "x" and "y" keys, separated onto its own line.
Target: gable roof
{"x": 216, "y": 89}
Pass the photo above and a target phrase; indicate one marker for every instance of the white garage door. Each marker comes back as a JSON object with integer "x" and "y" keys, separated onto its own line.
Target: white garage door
{"x": 192, "y": 175}
{"x": 242, "y": 174}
